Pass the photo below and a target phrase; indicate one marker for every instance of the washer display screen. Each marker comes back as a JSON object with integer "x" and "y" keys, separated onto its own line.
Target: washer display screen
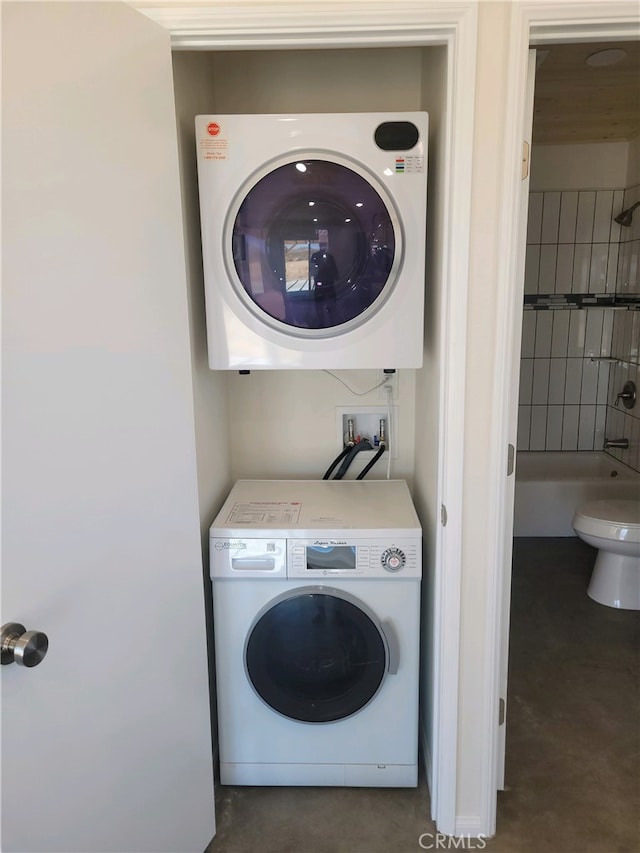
{"x": 331, "y": 558}
{"x": 314, "y": 245}
{"x": 315, "y": 657}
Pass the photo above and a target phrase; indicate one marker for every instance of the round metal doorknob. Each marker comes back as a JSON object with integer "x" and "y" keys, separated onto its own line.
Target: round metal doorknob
{"x": 17, "y": 645}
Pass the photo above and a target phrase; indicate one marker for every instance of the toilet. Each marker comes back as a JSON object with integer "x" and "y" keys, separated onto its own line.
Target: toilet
{"x": 613, "y": 527}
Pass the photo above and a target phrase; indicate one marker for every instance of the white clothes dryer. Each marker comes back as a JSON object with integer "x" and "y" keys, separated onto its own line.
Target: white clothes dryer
{"x": 313, "y": 239}
{"x": 316, "y": 600}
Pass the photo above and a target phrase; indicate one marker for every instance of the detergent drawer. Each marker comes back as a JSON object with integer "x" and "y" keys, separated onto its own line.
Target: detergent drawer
{"x": 247, "y": 557}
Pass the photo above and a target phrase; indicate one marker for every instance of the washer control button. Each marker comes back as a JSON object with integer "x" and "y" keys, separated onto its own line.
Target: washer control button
{"x": 393, "y": 559}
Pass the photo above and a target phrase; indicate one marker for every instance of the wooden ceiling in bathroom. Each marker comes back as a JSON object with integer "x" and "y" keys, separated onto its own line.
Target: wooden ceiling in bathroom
{"x": 575, "y": 102}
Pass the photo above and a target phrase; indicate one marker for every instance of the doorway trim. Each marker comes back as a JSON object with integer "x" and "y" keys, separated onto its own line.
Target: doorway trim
{"x": 412, "y": 23}
{"x": 532, "y": 23}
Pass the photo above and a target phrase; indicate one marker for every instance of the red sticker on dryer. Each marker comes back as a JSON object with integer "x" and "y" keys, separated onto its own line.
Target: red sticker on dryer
{"x": 213, "y": 128}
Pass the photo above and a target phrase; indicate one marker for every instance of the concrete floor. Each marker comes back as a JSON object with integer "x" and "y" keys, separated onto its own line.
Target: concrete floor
{"x": 573, "y": 741}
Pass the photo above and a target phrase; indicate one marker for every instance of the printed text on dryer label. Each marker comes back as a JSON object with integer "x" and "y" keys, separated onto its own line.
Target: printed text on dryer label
{"x": 213, "y": 149}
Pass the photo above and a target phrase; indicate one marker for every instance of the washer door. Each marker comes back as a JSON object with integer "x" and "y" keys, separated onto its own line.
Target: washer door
{"x": 316, "y": 655}
{"x": 313, "y": 245}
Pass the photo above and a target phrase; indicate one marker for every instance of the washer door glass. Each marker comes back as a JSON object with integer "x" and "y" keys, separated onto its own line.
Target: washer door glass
{"x": 315, "y": 657}
{"x": 315, "y": 246}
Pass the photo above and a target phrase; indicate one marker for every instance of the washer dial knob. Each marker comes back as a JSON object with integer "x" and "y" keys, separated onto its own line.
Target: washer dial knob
{"x": 393, "y": 559}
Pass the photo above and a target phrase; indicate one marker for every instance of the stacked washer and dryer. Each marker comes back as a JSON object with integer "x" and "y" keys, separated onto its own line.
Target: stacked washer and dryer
{"x": 313, "y": 237}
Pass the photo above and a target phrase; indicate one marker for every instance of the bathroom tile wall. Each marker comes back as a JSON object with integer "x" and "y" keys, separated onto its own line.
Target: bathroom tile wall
{"x": 576, "y": 359}
{"x": 564, "y": 387}
{"x": 629, "y": 263}
{"x": 573, "y": 244}
{"x": 622, "y": 422}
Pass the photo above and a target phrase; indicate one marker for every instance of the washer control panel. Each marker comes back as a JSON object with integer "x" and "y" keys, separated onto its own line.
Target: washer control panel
{"x": 347, "y": 557}
{"x": 393, "y": 559}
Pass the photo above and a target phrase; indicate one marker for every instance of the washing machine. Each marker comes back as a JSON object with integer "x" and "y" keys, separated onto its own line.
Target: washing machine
{"x": 316, "y": 602}
{"x": 313, "y": 239}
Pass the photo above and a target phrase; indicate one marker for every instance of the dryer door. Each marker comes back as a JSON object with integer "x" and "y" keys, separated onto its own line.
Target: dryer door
{"x": 316, "y": 655}
{"x": 313, "y": 245}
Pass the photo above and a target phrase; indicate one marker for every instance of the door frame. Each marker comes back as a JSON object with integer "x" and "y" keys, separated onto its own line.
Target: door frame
{"x": 532, "y": 23}
{"x": 410, "y": 23}
{"x": 514, "y": 385}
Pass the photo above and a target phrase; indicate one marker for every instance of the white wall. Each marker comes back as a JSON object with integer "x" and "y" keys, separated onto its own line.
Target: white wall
{"x": 590, "y": 166}
{"x": 192, "y": 83}
{"x": 317, "y": 81}
{"x": 284, "y": 423}
{"x": 191, "y": 78}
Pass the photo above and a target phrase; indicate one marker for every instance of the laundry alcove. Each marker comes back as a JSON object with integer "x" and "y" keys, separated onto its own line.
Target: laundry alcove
{"x": 281, "y": 424}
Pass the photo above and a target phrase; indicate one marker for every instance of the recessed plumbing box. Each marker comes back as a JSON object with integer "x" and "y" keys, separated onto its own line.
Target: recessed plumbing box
{"x": 366, "y": 424}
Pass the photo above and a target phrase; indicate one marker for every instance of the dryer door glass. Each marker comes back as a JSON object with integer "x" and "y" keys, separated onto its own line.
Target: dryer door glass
{"x": 315, "y": 657}
{"x": 314, "y": 245}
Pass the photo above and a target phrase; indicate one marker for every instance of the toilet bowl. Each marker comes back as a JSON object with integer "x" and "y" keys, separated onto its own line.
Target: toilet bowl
{"x": 613, "y": 527}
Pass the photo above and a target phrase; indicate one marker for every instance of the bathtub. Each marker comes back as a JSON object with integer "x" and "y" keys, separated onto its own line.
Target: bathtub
{"x": 550, "y": 485}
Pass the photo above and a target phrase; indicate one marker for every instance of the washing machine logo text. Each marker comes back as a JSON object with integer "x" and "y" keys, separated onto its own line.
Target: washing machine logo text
{"x": 228, "y": 546}
{"x": 325, "y": 543}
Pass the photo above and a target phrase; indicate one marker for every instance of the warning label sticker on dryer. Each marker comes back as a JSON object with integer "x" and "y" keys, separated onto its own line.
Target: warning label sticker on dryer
{"x": 213, "y": 148}
{"x": 274, "y": 513}
{"x": 214, "y": 143}
{"x": 409, "y": 165}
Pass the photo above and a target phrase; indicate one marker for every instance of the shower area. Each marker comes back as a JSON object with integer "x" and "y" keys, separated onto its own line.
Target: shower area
{"x": 578, "y": 424}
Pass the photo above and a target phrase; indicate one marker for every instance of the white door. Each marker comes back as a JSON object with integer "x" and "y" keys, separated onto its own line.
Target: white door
{"x": 106, "y": 744}
{"x": 513, "y": 422}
